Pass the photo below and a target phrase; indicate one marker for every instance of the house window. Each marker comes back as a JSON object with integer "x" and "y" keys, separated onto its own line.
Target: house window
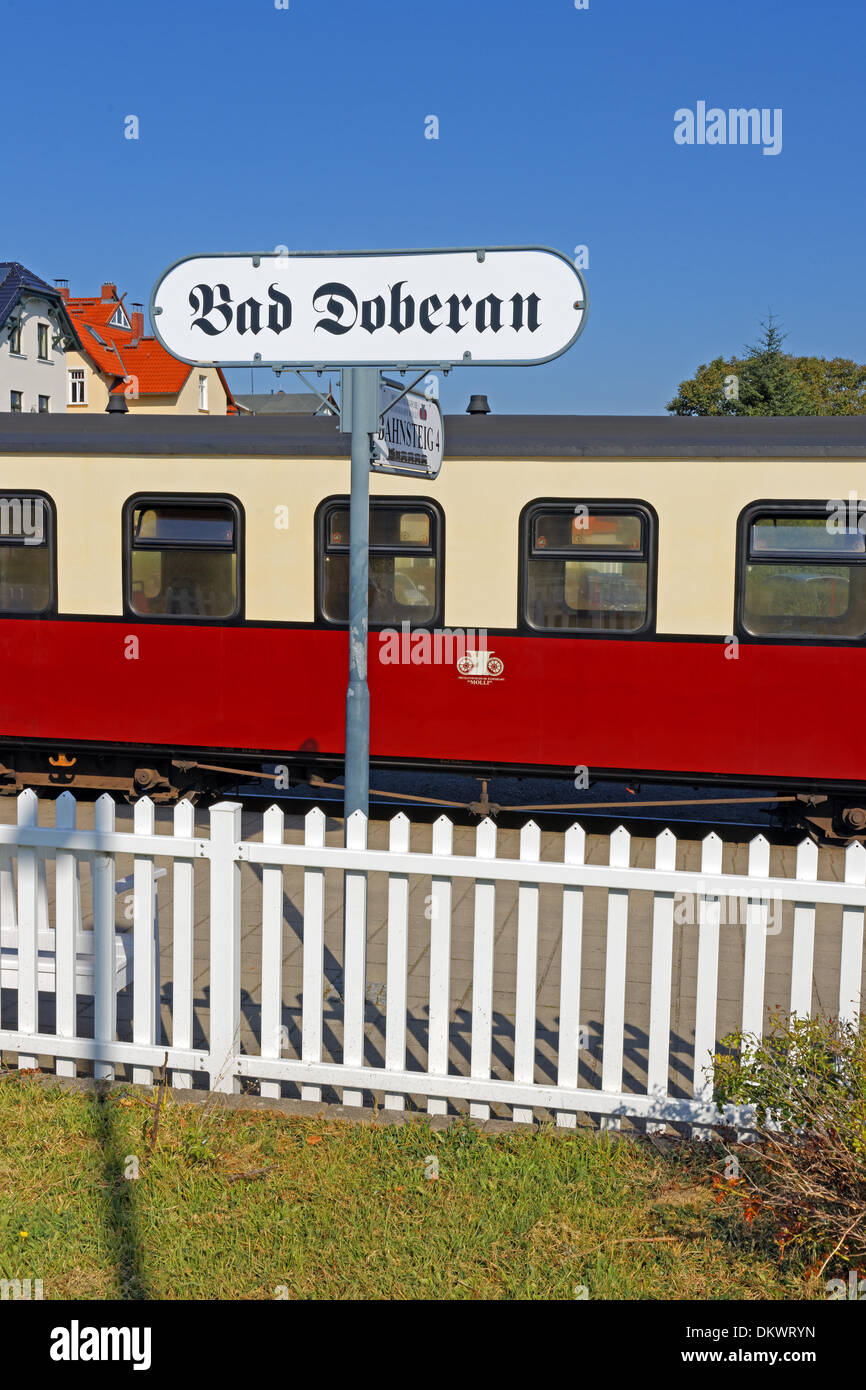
{"x": 77, "y": 393}
{"x": 405, "y": 573}
{"x": 15, "y": 339}
{"x": 183, "y": 558}
{"x": 119, "y": 319}
{"x": 803, "y": 572}
{"x": 26, "y": 549}
{"x": 202, "y": 393}
{"x": 16, "y": 401}
{"x": 42, "y": 341}
{"x": 44, "y": 405}
{"x": 586, "y": 567}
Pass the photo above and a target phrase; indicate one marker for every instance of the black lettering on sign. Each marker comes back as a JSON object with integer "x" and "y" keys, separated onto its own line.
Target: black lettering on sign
{"x": 280, "y": 312}
{"x": 249, "y": 315}
{"x": 339, "y": 310}
{"x": 339, "y": 297}
{"x": 201, "y": 301}
{"x": 517, "y": 302}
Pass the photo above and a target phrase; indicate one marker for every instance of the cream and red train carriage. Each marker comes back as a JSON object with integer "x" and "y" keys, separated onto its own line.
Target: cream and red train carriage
{"x": 669, "y": 598}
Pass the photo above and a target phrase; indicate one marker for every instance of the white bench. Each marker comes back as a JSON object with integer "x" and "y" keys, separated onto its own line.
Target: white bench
{"x": 84, "y": 955}
{"x": 83, "y": 960}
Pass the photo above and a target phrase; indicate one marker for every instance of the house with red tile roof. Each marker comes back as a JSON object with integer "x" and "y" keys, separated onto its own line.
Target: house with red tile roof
{"x": 118, "y": 358}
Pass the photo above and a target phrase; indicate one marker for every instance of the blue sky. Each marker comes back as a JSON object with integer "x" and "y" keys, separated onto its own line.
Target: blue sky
{"x": 305, "y": 127}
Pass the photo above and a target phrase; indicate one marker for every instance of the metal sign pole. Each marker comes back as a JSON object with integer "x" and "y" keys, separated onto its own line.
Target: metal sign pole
{"x": 360, "y": 405}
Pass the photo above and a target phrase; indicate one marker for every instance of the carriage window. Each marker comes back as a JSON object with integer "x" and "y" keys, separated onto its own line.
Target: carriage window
{"x": 404, "y": 573}
{"x": 805, "y": 576}
{"x": 26, "y": 550}
{"x": 586, "y": 568}
{"x": 183, "y": 559}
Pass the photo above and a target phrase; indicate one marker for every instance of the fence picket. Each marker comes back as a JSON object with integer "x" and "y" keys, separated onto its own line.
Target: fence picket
{"x": 755, "y": 945}
{"x": 851, "y": 959}
{"x": 43, "y": 923}
{"x": 66, "y": 930}
{"x": 354, "y": 956}
{"x": 312, "y": 998}
{"x": 614, "y": 976}
{"x": 8, "y": 914}
{"x": 527, "y": 969}
{"x": 803, "y": 948}
{"x": 272, "y": 949}
{"x": 707, "y": 991}
{"x": 145, "y": 988}
{"x": 28, "y": 920}
{"x": 568, "y": 1065}
{"x": 183, "y": 920}
{"x": 440, "y": 966}
{"x": 104, "y": 996}
{"x": 481, "y": 1044}
{"x": 661, "y": 973}
{"x": 396, "y": 979}
{"x": 225, "y": 946}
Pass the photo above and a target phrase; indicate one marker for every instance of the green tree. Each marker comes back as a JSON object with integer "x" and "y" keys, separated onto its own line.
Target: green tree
{"x": 768, "y": 381}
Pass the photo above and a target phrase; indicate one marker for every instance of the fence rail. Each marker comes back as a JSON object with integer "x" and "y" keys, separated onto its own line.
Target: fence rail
{"x": 204, "y": 1039}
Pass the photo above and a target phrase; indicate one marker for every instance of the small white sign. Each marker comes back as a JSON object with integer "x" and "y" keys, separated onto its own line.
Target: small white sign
{"x": 411, "y": 441}
{"x": 516, "y": 305}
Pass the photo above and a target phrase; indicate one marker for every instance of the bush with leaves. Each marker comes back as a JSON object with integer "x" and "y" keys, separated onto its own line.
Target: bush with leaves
{"x": 807, "y": 1173}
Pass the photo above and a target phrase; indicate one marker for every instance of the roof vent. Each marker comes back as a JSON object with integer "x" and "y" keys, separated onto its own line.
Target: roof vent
{"x": 478, "y": 406}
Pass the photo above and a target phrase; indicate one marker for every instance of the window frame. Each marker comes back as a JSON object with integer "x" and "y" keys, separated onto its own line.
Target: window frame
{"x": 50, "y": 610}
{"x": 436, "y": 549}
{"x": 43, "y": 329}
{"x": 599, "y": 506}
{"x": 203, "y": 393}
{"x": 15, "y": 340}
{"x": 782, "y": 508}
{"x": 69, "y": 393}
{"x": 47, "y": 409}
{"x": 181, "y": 499}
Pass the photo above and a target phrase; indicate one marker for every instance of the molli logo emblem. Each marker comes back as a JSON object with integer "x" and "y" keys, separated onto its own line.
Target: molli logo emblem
{"x": 480, "y": 668}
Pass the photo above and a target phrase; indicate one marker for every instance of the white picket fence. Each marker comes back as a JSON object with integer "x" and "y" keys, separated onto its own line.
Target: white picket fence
{"x": 25, "y": 849}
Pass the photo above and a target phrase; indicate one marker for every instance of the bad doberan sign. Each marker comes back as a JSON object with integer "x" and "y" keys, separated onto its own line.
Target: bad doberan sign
{"x": 517, "y": 305}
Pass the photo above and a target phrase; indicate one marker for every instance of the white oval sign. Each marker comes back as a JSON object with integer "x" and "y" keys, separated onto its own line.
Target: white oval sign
{"x": 515, "y": 305}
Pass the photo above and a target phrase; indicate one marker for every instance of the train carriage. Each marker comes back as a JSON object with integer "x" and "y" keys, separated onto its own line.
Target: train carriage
{"x": 674, "y": 599}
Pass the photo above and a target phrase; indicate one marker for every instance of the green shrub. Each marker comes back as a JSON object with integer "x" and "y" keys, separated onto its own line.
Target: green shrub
{"x": 807, "y": 1173}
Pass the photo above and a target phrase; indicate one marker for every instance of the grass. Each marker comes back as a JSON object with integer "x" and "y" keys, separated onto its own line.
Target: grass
{"x": 258, "y": 1205}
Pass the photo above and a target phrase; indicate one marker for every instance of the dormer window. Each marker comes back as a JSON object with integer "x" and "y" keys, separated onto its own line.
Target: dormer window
{"x": 119, "y": 319}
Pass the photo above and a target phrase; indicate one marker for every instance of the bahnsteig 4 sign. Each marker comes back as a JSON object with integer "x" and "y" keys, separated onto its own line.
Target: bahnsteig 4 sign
{"x": 411, "y": 441}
